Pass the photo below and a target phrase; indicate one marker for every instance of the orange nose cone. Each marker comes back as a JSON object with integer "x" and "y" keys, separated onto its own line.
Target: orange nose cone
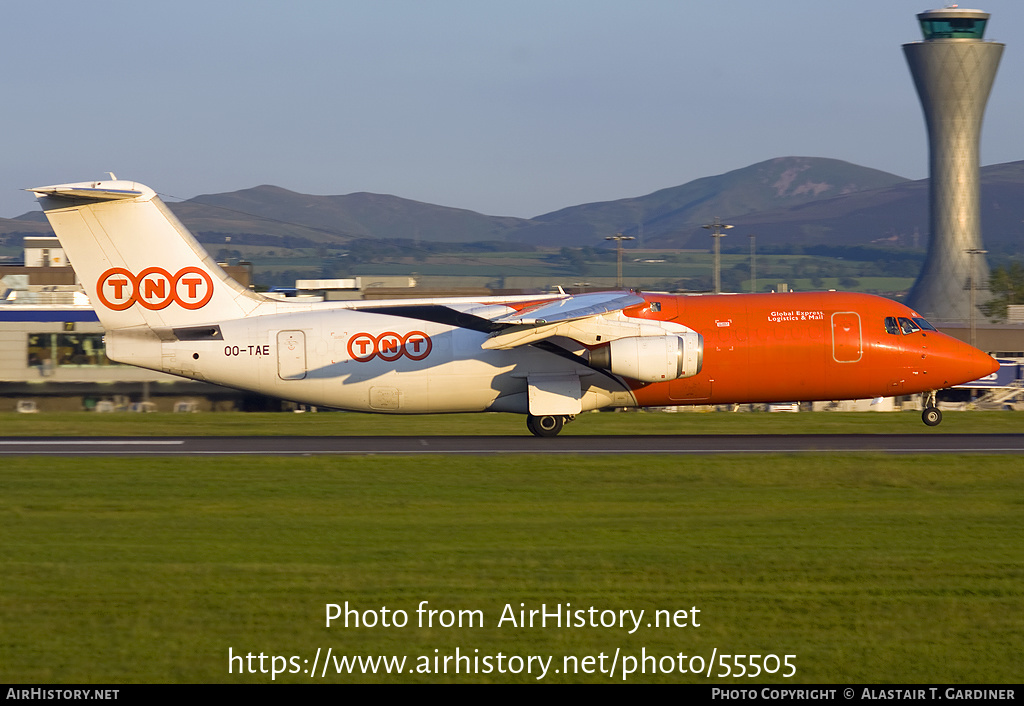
{"x": 976, "y": 364}
{"x": 951, "y": 362}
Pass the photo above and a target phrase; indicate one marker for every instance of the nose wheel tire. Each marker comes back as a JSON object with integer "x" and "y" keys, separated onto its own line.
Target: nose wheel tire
{"x": 931, "y": 416}
{"x": 545, "y": 426}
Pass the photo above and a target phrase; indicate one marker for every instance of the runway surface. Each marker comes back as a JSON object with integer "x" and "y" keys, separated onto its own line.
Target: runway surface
{"x": 485, "y": 445}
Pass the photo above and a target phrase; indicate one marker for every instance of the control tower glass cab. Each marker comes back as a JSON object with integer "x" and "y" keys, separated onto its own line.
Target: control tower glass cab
{"x": 953, "y": 23}
{"x": 953, "y": 70}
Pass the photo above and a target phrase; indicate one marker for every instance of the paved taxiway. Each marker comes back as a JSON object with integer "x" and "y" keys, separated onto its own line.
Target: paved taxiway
{"x": 484, "y": 445}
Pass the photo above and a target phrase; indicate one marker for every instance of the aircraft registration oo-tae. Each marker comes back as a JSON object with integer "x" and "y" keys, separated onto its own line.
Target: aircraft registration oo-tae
{"x": 166, "y": 305}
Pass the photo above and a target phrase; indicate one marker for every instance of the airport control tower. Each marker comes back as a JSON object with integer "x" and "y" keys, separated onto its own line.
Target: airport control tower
{"x": 953, "y": 71}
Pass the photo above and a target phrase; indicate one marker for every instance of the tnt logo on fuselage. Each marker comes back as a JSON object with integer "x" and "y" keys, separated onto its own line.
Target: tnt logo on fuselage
{"x": 389, "y": 346}
{"x": 154, "y": 288}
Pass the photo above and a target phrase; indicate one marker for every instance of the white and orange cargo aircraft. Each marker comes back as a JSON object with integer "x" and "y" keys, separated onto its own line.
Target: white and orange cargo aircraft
{"x": 166, "y": 305}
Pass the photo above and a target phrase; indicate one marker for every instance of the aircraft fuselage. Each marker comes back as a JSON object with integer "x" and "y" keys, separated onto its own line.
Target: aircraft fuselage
{"x": 167, "y": 305}
{"x": 757, "y": 348}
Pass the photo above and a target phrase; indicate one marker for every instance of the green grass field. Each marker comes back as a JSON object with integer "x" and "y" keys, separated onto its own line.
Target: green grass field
{"x": 867, "y": 568}
{"x": 644, "y": 269}
{"x": 637, "y": 422}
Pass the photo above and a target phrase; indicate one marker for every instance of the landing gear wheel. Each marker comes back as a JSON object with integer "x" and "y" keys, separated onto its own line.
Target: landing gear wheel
{"x": 931, "y": 416}
{"x": 544, "y": 426}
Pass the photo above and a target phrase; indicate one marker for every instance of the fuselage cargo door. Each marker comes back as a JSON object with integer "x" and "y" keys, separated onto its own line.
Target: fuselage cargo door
{"x": 291, "y": 355}
{"x": 846, "y": 337}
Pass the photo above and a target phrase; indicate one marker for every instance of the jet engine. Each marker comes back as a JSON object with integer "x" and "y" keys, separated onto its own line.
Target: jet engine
{"x": 652, "y": 358}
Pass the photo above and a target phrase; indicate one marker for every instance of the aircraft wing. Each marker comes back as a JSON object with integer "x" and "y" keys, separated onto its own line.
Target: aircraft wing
{"x": 591, "y": 319}
{"x": 579, "y": 306}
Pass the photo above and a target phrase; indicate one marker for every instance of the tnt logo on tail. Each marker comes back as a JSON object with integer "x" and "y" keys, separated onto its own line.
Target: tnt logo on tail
{"x": 154, "y": 288}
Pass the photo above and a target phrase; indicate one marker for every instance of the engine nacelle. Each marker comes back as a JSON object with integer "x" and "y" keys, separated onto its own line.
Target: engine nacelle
{"x": 652, "y": 358}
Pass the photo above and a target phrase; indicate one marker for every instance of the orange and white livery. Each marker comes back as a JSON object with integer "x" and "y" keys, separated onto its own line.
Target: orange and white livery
{"x": 166, "y": 305}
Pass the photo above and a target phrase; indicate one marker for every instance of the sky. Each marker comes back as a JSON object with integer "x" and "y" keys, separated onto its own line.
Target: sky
{"x": 506, "y": 108}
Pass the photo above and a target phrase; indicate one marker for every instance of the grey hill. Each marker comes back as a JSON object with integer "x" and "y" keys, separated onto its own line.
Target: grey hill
{"x": 784, "y": 201}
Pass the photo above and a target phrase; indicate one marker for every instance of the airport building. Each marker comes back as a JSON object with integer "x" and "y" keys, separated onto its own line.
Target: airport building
{"x": 953, "y": 69}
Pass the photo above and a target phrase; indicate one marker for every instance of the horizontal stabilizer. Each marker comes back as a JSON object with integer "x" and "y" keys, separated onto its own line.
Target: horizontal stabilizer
{"x": 84, "y": 192}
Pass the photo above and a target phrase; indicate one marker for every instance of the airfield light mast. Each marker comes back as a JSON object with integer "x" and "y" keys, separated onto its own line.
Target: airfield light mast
{"x": 753, "y": 263}
{"x": 618, "y": 238}
{"x": 974, "y": 252}
{"x": 716, "y": 229}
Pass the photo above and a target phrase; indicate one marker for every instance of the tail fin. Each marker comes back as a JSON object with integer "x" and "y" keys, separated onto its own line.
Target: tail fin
{"x": 139, "y": 265}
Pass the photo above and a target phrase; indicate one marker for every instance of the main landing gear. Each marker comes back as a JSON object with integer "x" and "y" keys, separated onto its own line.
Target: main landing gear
{"x": 931, "y": 414}
{"x": 546, "y": 425}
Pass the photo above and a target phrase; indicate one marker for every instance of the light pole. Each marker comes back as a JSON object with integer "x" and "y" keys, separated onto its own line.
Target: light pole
{"x": 974, "y": 270}
{"x": 753, "y": 263}
{"x": 618, "y": 238}
{"x": 716, "y": 229}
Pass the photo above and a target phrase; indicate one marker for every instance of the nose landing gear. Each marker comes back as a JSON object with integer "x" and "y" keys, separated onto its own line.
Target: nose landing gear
{"x": 931, "y": 414}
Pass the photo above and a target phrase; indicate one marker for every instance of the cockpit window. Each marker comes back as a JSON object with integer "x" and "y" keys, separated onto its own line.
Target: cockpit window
{"x": 924, "y": 324}
{"x": 891, "y": 326}
{"x": 908, "y": 326}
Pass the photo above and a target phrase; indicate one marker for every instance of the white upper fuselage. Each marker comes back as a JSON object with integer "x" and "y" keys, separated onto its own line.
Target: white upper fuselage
{"x": 334, "y": 355}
